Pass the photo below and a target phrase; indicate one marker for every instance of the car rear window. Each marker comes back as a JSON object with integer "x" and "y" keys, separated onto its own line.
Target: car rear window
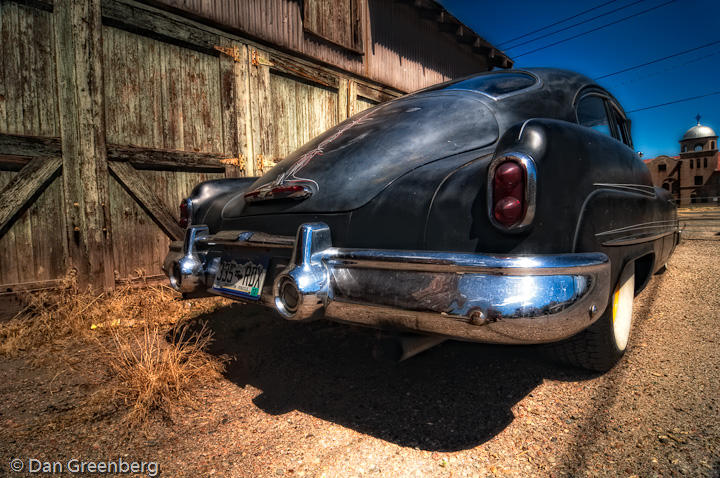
{"x": 591, "y": 112}
{"x": 496, "y": 84}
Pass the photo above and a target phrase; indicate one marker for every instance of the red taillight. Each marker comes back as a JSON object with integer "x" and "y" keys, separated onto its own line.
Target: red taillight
{"x": 508, "y": 193}
{"x": 184, "y": 213}
{"x": 270, "y": 192}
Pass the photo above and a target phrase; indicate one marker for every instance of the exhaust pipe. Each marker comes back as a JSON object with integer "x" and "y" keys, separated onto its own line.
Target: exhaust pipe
{"x": 398, "y": 349}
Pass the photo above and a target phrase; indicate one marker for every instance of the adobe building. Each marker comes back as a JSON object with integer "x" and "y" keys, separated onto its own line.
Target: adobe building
{"x": 693, "y": 176}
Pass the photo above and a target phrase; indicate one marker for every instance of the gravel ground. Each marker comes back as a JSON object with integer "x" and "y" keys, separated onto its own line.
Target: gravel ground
{"x": 308, "y": 400}
{"x": 700, "y": 222}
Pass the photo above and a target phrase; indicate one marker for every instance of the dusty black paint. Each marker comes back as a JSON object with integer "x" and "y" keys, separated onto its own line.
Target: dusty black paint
{"x": 411, "y": 174}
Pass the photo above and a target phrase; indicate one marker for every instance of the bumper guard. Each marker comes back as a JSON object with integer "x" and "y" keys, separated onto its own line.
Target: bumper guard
{"x": 514, "y": 299}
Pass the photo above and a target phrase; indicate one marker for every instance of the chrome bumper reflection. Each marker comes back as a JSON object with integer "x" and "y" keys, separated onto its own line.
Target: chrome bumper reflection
{"x": 477, "y": 297}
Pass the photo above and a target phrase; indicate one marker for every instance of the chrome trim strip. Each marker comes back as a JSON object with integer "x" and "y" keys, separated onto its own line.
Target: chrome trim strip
{"x": 603, "y": 188}
{"x": 636, "y": 239}
{"x": 476, "y": 297}
{"x": 635, "y": 228}
{"x": 233, "y": 238}
{"x": 528, "y": 165}
{"x": 638, "y": 188}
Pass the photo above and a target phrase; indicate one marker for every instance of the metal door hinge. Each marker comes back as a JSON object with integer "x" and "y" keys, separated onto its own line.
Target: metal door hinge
{"x": 232, "y": 52}
{"x": 239, "y": 161}
{"x": 258, "y": 60}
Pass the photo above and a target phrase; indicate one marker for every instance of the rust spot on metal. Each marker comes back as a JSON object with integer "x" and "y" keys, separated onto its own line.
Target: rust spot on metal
{"x": 232, "y": 52}
{"x": 477, "y": 317}
{"x": 239, "y": 161}
{"x": 257, "y": 60}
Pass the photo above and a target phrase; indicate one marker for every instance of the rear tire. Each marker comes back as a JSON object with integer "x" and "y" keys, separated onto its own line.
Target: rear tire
{"x": 602, "y": 345}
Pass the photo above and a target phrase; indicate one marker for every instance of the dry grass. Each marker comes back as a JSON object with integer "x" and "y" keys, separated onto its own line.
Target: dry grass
{"x": 136, "y": 339}
{"x": 152, "y": 374}
{"x": 52, "y": 317}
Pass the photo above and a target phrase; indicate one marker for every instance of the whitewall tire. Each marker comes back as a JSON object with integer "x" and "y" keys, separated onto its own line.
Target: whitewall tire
{"x": 602, "y": 345}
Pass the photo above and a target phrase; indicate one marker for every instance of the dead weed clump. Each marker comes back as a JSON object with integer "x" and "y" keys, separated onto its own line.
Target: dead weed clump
{"x": 69, "y": 314}
{"x": 130, "y": 343}
{"x": 156, "y": 372}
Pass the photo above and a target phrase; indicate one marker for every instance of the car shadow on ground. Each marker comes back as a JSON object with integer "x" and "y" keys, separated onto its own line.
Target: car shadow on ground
{"x": 453, "y": 397}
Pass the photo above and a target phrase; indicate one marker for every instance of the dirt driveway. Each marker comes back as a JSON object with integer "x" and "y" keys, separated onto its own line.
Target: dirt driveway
{"x": 308, "y": 400}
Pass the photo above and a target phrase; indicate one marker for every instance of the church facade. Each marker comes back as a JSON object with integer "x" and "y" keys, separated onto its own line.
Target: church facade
{"x": 693, "y": 176}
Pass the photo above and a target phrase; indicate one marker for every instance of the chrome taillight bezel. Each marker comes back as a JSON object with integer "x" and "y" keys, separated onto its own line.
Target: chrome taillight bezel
{"x": 527, "y": 163}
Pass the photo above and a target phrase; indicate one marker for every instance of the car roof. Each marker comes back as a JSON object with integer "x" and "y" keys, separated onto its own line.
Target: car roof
{"x": 553, "y": 95}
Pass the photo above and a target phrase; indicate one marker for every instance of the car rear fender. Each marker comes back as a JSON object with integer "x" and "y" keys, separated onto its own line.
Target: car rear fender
{"x": 209, "y": 197}
{"x": 571, "y": 162}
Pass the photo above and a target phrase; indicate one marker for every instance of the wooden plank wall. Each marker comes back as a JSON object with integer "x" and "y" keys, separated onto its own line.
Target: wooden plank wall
{"x": 182, "y": 103}
{"x": 401, "y": 48}
{"x": 32, "y": 249}
{"x": 160, "y": 96}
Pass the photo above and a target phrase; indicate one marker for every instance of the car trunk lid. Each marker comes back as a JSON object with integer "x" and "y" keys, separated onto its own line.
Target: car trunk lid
{"x": 351, "y": 163}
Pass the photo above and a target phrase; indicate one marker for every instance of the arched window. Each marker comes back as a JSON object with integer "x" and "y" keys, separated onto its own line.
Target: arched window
{"x": 712, "y": 145}
{"x": 684, "y": 148}
{"x": 698, "y": 147}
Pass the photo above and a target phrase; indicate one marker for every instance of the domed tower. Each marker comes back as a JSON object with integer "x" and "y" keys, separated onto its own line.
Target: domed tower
{"x": 698, "y": 160}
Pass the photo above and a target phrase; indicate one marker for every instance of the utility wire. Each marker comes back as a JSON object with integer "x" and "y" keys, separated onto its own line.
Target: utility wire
{"x": 574, "y": 25}
{"x": 674, "y": 102}
{"x": 595, "y": 29}
{"x": 657, "y": 60}
{"x": 556, "y": 23}
{"x": 672, "y": 67}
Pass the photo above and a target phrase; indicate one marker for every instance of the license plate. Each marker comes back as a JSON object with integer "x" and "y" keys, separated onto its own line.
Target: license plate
{"x": 243, "y": 277}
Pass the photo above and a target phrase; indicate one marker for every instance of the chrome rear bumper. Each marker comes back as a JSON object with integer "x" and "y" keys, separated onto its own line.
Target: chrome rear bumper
{"x": 516, "y": 299}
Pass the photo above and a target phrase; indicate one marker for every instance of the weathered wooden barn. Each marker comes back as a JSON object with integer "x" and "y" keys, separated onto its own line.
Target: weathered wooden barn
{"x": 112, "y": 110}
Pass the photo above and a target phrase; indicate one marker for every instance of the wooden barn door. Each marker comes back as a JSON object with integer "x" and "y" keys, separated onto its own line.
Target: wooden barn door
{"x": 292, "y": 103}
{"x": 33, "y": 247}
{"x": 175, "y": 109}
{"x": 111, "y": 111}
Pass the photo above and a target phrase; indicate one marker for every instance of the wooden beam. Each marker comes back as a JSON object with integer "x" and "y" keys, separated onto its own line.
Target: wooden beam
{"x": 261, "y": 112}
{"x": 27, "y": 184}
{"x": 9, "y": 162}
{"x": 165, "y": 159}
{"x": 46, "y": 5}
{"x": 298, "y": 69}
{"x": 78, "y": 43}
{"x": 374, "y": 94}
{"x": 125, "y": 15}
{"x": 352, "y": 97}
{"x": 233, "y": 72}
{"x": 21, "y": 145}
{"x": 138, "y": 188}
{"x": 342, "y": 104}
{"x": 13, "y": 289}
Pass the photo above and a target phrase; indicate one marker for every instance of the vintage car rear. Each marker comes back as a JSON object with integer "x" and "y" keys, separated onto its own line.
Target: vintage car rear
{"x": 477, "y": 210}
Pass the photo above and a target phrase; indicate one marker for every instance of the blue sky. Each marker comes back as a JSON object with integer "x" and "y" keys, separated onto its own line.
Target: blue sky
{"x": 680, "y": 25}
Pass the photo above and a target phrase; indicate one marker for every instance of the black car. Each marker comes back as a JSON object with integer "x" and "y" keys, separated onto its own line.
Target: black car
{"x": 506, "y": 207}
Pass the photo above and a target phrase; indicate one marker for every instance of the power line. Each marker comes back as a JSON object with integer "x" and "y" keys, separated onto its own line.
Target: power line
{"x": 673, "y": 67}
{"x": 556, "y": 23}
{"x": 595, "y": 29}
{"x": 674, "y": 102}
{"x": 575, "y": 25}
{"x": 657, "y": 60}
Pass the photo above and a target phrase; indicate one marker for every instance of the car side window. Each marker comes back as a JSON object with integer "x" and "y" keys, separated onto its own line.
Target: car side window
{"x": 591, "y": 112}
{"x": 622, "y": 127}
